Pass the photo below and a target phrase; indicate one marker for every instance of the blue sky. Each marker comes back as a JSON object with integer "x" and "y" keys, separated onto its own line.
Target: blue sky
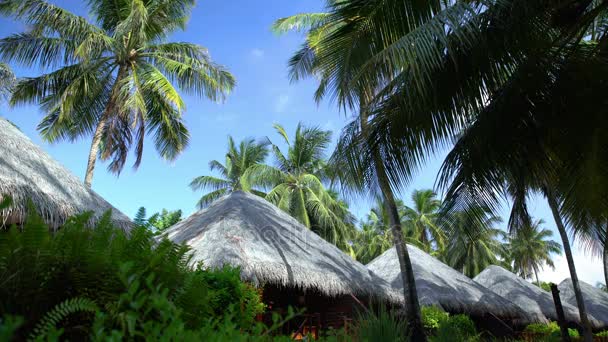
{"x": 237, "y": 34}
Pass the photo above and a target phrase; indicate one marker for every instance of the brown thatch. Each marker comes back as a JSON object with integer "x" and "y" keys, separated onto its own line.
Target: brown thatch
{"x": 440, "y": 285}
{"x": 538, "y": 302}
{"x": 596, "y": 301}
{"x": 271, "y": 247}
{"x": 29, "y": 173}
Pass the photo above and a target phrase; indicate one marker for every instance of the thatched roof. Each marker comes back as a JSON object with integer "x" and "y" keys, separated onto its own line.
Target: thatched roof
{"x": 531, "y": 298}
{"x": 271, "y": 247}
{"x": 596, "y": 301}
{"x": 29, "y": 173}
{"x": 440, "y": 285}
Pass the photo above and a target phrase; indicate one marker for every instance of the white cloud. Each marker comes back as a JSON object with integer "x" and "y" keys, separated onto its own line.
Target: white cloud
{"x": 257, "y": 53}
{"x": 281, "y": 103}
{"x": 589, "y": 269}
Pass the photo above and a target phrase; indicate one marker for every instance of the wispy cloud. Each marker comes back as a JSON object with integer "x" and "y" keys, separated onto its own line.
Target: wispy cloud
{"x": 257, "y": 53}
{"x": 281, "y": 103}
{"x": 589, "y": 269}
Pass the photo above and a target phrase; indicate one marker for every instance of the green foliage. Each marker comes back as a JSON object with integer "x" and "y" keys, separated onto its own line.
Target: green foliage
{"x": 140, "y": 217}
{"x": 381, "y": 325}
{"x": 165, "y": 219}
{"x": 8, "y": 326}
{"x": 545, "y": 286}
{"x": 433, "y": 317}
{"x": 549, "y": 332}
{"x": 602, "y": 333}
{"x": 457, "y": 328}
{"x": 99, "y": 281}
{"x": 238, "y": 160}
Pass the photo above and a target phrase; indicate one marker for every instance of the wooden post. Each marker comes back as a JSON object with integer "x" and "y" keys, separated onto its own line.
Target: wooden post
{"x": 561, "y": 319}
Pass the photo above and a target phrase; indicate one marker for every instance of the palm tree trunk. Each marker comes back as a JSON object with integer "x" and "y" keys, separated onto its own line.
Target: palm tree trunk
{"x": 587, "y": 333}
{"x": 101, "y": 125}
{"x": 606, "y": 257}
{"x": 410, "y": 295}
{"x": 536, "y": 275}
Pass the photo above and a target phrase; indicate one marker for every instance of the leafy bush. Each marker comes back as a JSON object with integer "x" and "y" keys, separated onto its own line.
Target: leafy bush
{"x": 98, "y": 282}
{"x": 381, "y": 325}
{"x": 602, "y": 334}
{"x": 432, "y": 317}
{"x": 456, "y": 328}
{"x": 549, "y": 332}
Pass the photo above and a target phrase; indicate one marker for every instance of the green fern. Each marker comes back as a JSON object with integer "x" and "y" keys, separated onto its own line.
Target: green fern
{"x": 60, "y": 312}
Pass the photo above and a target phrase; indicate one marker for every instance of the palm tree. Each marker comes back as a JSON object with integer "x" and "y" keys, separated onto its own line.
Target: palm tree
{"x": 375, "y": 236}
{"x": 506, "y": 67}
{"x": 422, "y": 218}
{"x": 473, "y": 241}
{"x": 113, "y": 79}
{"x": 296, "y": 185}
{"x": 529, "y": 248}
{"x": 364, "y": 173}
{"x": 238, "y": 160}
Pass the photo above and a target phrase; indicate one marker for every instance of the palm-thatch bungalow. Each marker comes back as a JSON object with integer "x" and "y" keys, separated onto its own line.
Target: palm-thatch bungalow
{"x": 536, "y": 301}
{"x": 440, "y": 285}
{"x": 293, "y": 266}
{"x": 27, "y": 173}
{"x": 596, "y": 301}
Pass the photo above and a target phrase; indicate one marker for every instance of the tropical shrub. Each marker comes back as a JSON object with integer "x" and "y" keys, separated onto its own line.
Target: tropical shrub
{"x": 97, "y": 281}
{"x": 432, "y": 317}
{"x": 549, "y": 332}
{"x": 381, "y": 325}
{"x": 457, "y": 328}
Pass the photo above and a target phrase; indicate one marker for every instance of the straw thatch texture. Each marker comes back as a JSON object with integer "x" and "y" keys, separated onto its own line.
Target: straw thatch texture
{"x": 538, "y": 302}
{"x": 241, "y": 229}
{"x": 440, "y": 285}
{"x": 29, "y": 173}
{"x": 596, "y": 300}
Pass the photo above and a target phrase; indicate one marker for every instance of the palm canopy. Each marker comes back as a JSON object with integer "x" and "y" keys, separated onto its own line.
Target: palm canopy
{"x": 115, "y": 78}
{"x": 7, "y": 81}
{"x": 473, "y": 241}
{"x": 296, "y": 186}
{"x": 422, "y": 219}
{"x": 238, "y": 159}
{"x": 529, "y": 249}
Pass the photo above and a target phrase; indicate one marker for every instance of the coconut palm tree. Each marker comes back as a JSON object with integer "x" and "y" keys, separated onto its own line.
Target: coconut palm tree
{"x": 295, "y": 183}
{"x": 113, "y": 78}
{"x": 474, "y": 242}
{"x": 375, "y": 236}
{"x": 238, "y": 160}
{"x": 438, "y": 69}
{"x": 529, "y": 248}
{"x": 422, "y": 219}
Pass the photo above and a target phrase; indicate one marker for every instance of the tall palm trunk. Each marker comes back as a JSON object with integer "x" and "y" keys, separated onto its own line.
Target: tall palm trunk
{"x": 410, "y": 295}
{"x": 606, "y": 257}
{"x": 101, "y": 125}
{"x": 587, "y": 333}
{"x": 536, "y": 275}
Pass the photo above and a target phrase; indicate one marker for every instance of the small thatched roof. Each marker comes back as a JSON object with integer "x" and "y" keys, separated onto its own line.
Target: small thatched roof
{"x": 531, "y": 298}
{"x": 271, "y": 247}
{"x": 440, "y": 285}
{"x": 596, "y": 301}
{"x": 29, "y": 173}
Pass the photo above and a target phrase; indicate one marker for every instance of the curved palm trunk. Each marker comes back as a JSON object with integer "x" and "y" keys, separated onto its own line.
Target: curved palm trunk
{"x": 536, "y": 275}
{"x": 587, "y": 333}
{"x": 410, "y": 294}
{"x": 101, "y": 125}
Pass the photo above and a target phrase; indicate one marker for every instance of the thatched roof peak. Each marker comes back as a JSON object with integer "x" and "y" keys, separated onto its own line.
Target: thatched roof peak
{"x": 271, "y": 247}
{"x": 531, "y": 298}
{"x": 440, "y": 285}
{"x": 596, "y": 301}
{"x": 29, "y": 173}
